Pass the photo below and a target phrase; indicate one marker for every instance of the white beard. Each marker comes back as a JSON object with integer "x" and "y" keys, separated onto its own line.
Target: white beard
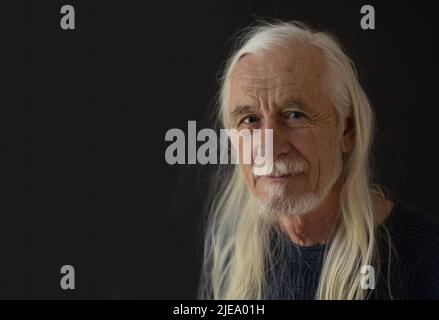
{"x": 277, "y": 203}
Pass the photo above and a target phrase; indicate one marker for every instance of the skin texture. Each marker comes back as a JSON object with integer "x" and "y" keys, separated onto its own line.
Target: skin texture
{"x": 281, "y": 89}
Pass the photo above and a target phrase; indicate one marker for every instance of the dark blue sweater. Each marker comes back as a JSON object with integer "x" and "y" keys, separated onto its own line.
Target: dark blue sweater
{"x": 414, "y": 267}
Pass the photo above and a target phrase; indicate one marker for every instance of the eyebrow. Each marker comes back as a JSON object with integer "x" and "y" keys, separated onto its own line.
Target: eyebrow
{"x": 296, "y": 103}
{"x": 240, "y": 110}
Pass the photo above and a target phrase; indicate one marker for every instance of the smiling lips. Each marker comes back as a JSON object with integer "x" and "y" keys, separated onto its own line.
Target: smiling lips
{"x": 284, "y": 169}
{"x": 277, "y": 178}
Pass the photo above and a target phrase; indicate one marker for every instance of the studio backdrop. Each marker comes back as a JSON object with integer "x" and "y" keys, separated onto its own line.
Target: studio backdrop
{"x": 84, "y": 179}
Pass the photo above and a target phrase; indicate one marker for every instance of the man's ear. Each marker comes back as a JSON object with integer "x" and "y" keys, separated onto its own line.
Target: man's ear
{"x": 348, "y": 138}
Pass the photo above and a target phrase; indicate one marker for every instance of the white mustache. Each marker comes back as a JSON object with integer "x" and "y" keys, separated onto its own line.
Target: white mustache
{"x": 284, "y": 167}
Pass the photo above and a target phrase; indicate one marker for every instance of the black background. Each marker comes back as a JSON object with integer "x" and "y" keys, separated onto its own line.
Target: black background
{"x": 83, "y": 175}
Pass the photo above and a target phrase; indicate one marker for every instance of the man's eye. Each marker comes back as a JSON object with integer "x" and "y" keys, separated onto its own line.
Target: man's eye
{"x": 294, "y": 115}
{"x": 249, "y": 120}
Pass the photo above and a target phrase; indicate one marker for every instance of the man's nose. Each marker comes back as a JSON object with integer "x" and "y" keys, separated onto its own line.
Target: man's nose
{"x": 281, "y": 145}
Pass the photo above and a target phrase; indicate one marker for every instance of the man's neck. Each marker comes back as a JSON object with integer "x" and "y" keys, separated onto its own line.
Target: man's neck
{"x": 317, "y": 226}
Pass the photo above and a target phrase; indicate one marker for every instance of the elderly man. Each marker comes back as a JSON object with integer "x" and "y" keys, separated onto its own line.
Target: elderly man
{"x": 313, "y": 227}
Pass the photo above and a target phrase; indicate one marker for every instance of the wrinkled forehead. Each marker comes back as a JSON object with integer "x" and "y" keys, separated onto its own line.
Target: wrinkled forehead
{"x": 295, "y": 69}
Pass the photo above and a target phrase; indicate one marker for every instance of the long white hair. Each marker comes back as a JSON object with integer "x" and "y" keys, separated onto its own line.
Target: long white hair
{"x": 238, "y": 249}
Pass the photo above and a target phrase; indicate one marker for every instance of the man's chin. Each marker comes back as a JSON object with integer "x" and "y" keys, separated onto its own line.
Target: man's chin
{"x": 277, "y": 206}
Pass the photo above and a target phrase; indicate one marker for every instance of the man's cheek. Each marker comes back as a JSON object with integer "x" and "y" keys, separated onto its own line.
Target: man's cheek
{"x": 312, "y": 154}
{"x": 241, "y": 145}
{"x": 246, "y": 172}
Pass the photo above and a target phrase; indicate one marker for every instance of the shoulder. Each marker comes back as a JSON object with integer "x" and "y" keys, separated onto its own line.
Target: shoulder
{"x": 414, "y": 227}
{"x": 415, "y": 240}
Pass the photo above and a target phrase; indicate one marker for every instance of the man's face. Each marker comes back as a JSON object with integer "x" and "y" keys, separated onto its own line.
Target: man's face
{"x": 281, "y": 89}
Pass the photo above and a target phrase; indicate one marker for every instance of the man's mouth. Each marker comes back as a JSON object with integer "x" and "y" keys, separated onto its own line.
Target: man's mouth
{"x": 280, "y": 176}
{"x": 281, "y": 171}
{"x": 274, "y": 178}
